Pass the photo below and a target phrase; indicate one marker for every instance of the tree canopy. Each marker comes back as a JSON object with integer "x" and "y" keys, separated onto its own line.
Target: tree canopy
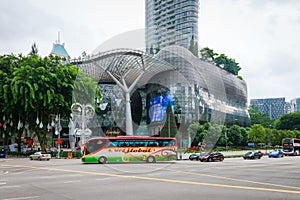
{"x": 257, "y": 118}
{"x": 222, "y": 61}
{"x": 193, "y": 47}
{"x": 289, "y": 121}
{"x": 32, "y": 91}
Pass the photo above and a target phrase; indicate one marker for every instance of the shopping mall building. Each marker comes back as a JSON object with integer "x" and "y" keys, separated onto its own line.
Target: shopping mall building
{"x": 136, "y": 88}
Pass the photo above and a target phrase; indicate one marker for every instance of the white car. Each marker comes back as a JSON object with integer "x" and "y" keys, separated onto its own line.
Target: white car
{"x": 40, "y": 156}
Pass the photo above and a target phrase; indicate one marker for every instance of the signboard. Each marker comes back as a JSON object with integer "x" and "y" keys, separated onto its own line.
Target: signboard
{"x": 250, "y": 144}
{"x": 12, "y": 148}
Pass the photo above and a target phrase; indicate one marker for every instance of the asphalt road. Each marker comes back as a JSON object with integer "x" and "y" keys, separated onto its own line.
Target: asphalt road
{"x": 70, "y": 179}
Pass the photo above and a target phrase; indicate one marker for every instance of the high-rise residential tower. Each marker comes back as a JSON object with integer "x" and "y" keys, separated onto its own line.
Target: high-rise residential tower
{"x": 171, "y": 22}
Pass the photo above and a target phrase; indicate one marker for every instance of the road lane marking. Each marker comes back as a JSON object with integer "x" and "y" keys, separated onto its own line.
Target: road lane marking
{"x": 59, "y": 177}
{"x": 234, "y": 179}
{"x": 102, "y": 179}
{"x": 22, "y": 198}
{"x": 9, "y": 186}
{"x": 161, "y": 179}
{"x": 77, "y": 181}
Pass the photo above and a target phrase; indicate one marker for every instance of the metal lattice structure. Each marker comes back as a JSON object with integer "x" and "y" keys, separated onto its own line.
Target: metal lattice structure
{"x": 128, "y": 68}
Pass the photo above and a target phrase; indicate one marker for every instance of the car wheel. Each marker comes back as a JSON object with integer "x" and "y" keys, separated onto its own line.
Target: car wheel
{"x": 201, "y": 160}
{"x": 221, "y": 159}
{"x": 102, "y": 160}
{"x": 210, "y": 160}
{"x": 39, "y": 159}
{"x": 30, "y": 158}
{"x": 259, "y": 157}
{"x": 151, "y": 159}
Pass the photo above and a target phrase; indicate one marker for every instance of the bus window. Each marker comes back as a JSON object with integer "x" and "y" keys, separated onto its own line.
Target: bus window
{"x": 94, "y": 145}
{"x": 111, "y": 144}
{"x": 171, "y": 143}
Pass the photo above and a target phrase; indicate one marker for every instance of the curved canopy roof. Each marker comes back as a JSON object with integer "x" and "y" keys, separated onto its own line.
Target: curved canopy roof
{"x": 123, "y": 64}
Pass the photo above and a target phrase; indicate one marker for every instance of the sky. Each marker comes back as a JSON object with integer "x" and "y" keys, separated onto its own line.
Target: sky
{"x": 263, "y": 36}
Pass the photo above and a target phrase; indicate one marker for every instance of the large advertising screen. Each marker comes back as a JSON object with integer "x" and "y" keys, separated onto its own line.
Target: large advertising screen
{"x": 157, "y": 107}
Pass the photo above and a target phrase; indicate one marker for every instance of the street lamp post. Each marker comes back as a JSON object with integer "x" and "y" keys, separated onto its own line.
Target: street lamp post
{"x": 57, "y": 132}
{"x": 83, "y": 113}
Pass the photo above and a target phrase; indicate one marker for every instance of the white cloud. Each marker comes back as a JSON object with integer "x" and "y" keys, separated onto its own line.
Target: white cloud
{"x": 262, "y": 35}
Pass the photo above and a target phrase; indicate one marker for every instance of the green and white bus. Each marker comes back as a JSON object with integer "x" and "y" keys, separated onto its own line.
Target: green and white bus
{"x": 129, "y": 149}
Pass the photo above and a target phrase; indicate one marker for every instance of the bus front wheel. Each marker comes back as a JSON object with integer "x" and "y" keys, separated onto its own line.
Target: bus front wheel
{"x": 102, "y": 160}
{"x": 151, "y": 159}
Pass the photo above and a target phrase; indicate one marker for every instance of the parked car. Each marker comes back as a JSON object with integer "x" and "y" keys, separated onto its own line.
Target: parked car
{"x": 252, "y": 155}
{"x": 260, "y": 152}
{"x": 40, "y": 156}
{"x": 194, "y": 156}
{"x": 211, "y": 156}
{"x": 276, "y": 154}
{"x": 2, "y": 154}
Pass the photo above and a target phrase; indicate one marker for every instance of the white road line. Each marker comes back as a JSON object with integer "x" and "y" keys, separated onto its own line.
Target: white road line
{"x": 21, "y": 198}
{"x": 58, "y": 177}
{"x": 103, "y": 179}
{"x": 71, "y": 181}
{"x": 9, "y": 186}
{"x": 2, "y": 183}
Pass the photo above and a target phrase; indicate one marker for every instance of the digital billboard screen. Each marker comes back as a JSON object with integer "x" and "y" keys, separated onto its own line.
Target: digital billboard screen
{"x": 157, "y": 107}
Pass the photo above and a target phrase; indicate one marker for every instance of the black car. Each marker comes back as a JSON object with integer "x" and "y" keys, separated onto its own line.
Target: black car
{"x": 211, "y": 156}
{"x": 252, "y": 155}
{"x": 194, "y": 156}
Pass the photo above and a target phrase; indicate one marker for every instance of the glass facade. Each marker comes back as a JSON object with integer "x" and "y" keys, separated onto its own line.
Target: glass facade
{"x": 295, "y": 105}
{"x": 201, "y": 91}
{"x": 196, "y": 90}
{"x": 273, "y": 107}
{"x": 171, "y": 22}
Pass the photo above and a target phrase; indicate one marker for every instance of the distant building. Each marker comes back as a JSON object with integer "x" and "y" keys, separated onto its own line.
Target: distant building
{"x": 273, "y": 107}
{"x": 295, "y": 105}
{"x": 59, "y": 49}
{"x": 172, "y": 22}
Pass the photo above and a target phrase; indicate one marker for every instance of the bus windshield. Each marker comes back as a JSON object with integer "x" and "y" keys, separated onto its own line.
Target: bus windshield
{"x": 291, "y": 146}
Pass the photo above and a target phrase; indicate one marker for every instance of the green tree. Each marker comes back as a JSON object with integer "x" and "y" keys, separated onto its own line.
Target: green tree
{"x": 157, "y": 49}
{"x": 235, "y": 135}
{"x": 214, "y": 131}
{"x": 170, "y": 128}
{"x": 257, "y": 133}
{"x": 208, "y": 54}
{"x": 193, "y": 131}
{"x": 34, "y": 49}
{"x": 197, "y": 132}
{"x": 151, "y": 51}
{"x": 257, "y": 118}
{"x": 221, "y": 61}
{"x": 289, "y": 121}
{"x": 227, "y": 64}
{"x": 193, "y": 48}
{"x": 33, "y": 91}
